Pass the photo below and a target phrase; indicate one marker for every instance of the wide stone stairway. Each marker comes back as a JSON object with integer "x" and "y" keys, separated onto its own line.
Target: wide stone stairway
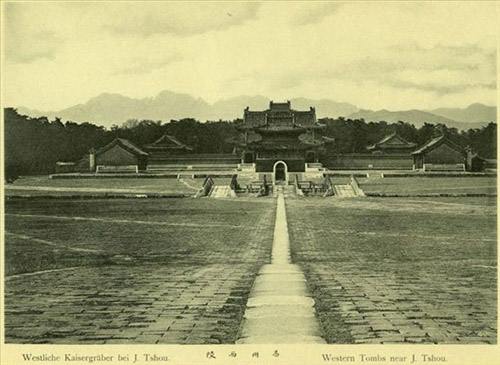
{"x": 344, "y": 191}
{"x": 288, "y": 191}
{"x": 280, "y": 309}
{"x": 221, "y": 191}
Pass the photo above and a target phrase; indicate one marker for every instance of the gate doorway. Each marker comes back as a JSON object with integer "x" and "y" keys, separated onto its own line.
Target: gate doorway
{"x": 310, "y": 156}
{"x": 248, "y": 157}
{"x": 280, "y": 173}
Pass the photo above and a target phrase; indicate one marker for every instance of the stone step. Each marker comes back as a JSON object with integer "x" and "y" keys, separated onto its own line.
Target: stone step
{"x": 270, "y": 312}
{"x": 220, "y": 191}
{"x": 274, "y": 287}
{"x": 283, "y": 339}
{"x": 277, "y": 300}
{"x": 279, "y": 269}
{"x": 280, "y": 277}
{"x": 280, "y": 325}
{"x": 344, "y": 191}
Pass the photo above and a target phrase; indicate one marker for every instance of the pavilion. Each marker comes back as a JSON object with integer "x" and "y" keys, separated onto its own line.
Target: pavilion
{"x": 280, "y": 140}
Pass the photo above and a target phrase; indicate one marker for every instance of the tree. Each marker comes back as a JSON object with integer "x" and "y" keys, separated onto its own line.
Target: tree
{"x": 34, "y": 145}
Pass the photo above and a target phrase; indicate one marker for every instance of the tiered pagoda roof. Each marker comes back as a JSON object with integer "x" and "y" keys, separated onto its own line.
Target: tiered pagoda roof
{"x": 280, "y": 128}
{"x": 280, "y": 117}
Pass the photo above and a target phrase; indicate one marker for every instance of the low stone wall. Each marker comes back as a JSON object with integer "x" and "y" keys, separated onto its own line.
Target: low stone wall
{"x": 140, "y": 175}
{"x": 194, "y": 159}
{"x": 364, "y": 161}
{"x": 429, "y": 195}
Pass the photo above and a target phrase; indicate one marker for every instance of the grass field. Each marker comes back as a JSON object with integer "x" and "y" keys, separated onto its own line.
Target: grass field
{"x": 43, "y": 185}
{"x": 152, "y": 271}
{"x": 429, "y": 185}
{"x": 399, "y": 270}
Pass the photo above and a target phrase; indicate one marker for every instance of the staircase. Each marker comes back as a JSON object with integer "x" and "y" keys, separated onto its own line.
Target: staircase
{"x": 221, "y": 191}
{"x": 248, "y": 167}
{"x": 314, "y": 167}
{"x": 314, "y": 170}
{"x": 344, "y": 191}
{"x": 289, "y": 191}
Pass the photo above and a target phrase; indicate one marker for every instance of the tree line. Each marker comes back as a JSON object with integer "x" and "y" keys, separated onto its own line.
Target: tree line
{"x": 34, "y": 144}
{"x": 353, "y": 136}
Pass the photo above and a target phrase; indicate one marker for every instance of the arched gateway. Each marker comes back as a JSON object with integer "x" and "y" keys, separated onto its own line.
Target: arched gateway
{"x": 280, "y": 173}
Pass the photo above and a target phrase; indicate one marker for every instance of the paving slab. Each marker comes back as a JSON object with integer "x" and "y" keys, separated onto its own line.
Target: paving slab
{"x": 280, "y": 269}
{"x": 270, "y": 311}
{"x": 275, "y": 287}
{"x": 280, "y": 325}
{"x": 279, "y": 300}
{"x": 282, "y": 278}
{"x": 282, "y": 339}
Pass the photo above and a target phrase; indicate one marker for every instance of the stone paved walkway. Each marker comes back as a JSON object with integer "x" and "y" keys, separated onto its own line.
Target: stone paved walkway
{"x": 154, "y": 304}
{"x": 379, "y": 276}
{"x": 279, "y": 309}
{"x": 182, "y": 277}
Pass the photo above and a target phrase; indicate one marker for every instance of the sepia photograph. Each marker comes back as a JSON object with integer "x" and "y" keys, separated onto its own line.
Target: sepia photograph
{"x": 249, "y": 173}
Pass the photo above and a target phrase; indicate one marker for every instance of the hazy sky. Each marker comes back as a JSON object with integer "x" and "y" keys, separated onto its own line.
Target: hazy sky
{"x": 374, "y": 55}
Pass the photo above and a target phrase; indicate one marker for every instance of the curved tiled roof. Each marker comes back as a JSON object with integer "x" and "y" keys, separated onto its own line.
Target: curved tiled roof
{"x": 168, "y": 141}
{"x": 384, "y": 142}
{"x": 125, "y": 144}
{"x": 305, "y": 118}
{"x": 280, "y": 114}
{"x": 254, "y": 118}
{"x": 435, "y": 142}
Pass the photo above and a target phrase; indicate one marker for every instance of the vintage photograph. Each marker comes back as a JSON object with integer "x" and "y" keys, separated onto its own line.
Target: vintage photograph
{"x": 249, "y": 173}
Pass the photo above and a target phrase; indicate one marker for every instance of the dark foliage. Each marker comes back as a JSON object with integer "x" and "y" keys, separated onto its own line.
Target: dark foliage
{"x": 355, "y": 135}
{"x": 34, "y": 145}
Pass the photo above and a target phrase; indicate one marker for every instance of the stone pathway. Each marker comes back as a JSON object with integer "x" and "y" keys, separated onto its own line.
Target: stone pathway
{"x": 185, "y": 281}
{"x": 118, "y": 304}
{"x": 279, "y": 309}
{"x": 391, "y": 283}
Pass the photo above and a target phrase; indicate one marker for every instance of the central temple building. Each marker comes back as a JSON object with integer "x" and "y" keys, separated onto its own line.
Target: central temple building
{"x": 280, "y": 140}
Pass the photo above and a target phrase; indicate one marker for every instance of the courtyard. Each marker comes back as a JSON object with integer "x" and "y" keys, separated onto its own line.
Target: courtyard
{"x": 141, "y": 271}
{"x": 399, "y": 270}
{"x": 179, "y": 270}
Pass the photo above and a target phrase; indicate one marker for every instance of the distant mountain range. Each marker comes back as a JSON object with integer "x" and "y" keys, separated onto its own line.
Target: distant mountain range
{"x": 107, "y": 109}
{"x": 475, "y": 113}
{"x": 474, "y": 116}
